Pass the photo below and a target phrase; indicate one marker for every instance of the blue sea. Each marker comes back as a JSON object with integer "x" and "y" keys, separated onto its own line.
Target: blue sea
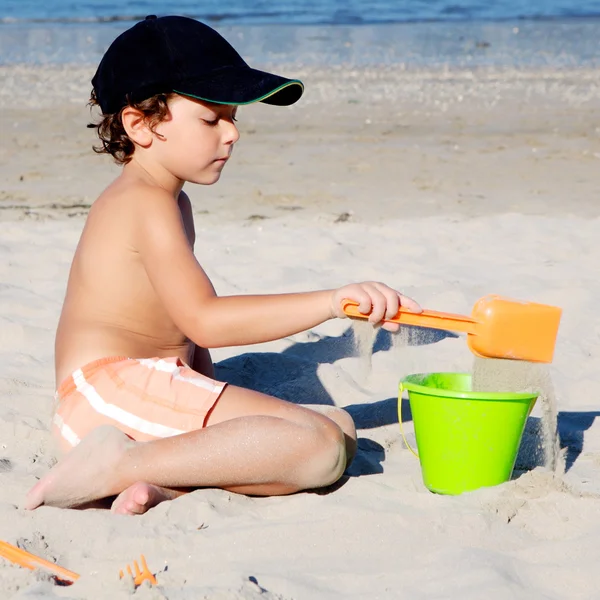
{"x": 419, "y": 32}
{"x": 298, "y": 12}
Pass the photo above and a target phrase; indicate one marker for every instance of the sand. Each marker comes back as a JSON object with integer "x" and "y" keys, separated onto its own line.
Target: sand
{"x": 364, "y": 335}
{"x": 446, "y": 184}
{"x": 501, "y": 375}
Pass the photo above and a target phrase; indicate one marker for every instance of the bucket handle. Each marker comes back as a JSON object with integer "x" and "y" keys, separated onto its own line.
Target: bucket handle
{"x": 400, "y": 390}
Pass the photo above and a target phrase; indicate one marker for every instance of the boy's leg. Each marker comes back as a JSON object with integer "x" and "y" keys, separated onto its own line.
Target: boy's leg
{"x": 236, "y": 402}
{"x": 253, "y": 444}
{"x": 141, "y": 496}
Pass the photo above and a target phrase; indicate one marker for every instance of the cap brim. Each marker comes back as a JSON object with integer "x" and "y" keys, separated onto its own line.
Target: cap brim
{"x": 243, "y": 85}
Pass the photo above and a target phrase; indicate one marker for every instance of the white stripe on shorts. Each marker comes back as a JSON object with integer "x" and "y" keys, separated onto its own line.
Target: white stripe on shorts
{"x": 65, "y": 430}
{"x": 169, "y": 367}
{"x": 117, "y": 413}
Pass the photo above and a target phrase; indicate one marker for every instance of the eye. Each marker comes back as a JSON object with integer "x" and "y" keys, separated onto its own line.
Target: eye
{"x": 211, "y": 123}
{"x": 234, "y": 118}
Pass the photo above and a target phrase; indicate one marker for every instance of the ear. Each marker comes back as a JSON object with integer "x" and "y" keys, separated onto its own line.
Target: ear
{"x": 136, "y": 127}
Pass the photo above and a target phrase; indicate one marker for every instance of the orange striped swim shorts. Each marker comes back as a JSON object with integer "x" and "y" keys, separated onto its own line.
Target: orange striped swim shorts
{"x": 147, "y": 398}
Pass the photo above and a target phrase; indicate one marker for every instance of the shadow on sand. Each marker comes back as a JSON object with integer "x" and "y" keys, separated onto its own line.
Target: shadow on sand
{"x": 571, "y": 429}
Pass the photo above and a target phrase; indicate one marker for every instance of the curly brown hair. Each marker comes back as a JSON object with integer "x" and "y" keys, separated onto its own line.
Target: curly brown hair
{"x": 112, "y": 134}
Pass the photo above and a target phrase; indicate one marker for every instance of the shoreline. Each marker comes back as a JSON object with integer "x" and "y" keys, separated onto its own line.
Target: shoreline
{"x": 552, "y": 43}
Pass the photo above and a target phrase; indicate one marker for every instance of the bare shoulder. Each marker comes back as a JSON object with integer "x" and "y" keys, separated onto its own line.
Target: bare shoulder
{"x": 148, "y": 213}
{"x": 133, "y": 200}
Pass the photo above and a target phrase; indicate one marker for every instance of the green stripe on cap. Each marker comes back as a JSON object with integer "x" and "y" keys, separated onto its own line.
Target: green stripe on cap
{"x": 281, "y": 87}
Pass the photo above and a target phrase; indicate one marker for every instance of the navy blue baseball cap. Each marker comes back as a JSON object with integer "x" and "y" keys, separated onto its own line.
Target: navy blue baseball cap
{"x": 185, "y": 56}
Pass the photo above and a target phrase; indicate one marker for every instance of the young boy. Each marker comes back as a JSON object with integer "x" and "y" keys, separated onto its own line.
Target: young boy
{"x": 133, "y": 419}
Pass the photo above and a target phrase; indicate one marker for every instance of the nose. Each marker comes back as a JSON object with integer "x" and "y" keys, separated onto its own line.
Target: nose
{"x": 231, "y": 133}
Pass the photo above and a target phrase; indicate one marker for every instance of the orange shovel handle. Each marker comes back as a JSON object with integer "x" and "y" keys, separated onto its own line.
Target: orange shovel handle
{"x": 428, "y": 318}
{"x": 30, "y": 561}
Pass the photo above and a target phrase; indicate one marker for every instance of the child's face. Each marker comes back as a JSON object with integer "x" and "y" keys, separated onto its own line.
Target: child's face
{"x": 195, "y": 142}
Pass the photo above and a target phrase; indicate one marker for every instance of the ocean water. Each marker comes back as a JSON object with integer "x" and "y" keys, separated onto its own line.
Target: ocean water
{"x": 299, "y": 12}
{"x": 409, "y": 33}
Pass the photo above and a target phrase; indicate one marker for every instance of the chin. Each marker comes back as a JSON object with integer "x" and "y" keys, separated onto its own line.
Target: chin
{"x": 205, "y": 178}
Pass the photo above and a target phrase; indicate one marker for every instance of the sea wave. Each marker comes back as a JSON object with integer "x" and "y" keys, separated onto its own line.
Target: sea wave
{"x": 451, "y": 13}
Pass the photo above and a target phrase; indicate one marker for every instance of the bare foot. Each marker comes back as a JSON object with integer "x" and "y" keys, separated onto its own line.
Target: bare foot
{"x": 140, "y": 497}
{"x": 88, "y": 472}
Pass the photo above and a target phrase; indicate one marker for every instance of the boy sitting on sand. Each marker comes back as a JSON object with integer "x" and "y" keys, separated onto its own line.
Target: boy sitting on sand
{"x": 134, "y": 420}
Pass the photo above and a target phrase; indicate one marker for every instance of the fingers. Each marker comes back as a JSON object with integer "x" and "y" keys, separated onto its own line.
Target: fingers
{"x": 409, "y": 304}
{"x": 377, "y": 300}
{"x": 387, "y": 303}
{"x": 365, "y": 302}
{"x": 354, "y": 292}
{"x": 392, "y": 300}
{"x": 384, "y": 301}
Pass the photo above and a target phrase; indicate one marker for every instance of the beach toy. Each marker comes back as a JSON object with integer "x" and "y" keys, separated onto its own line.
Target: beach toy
{"x": 30, "y": 561}
{"x": 497, "y": 328}
{"x": 466, "y": 440}
{"x": 140, "y": 576}
{"x": 64, "y": 576}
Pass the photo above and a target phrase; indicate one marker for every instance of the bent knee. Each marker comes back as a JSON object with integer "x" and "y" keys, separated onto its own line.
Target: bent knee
{"x": 344, "y": 421}
{"x": 338, "y": 415}
{"x": 328, "y": 456}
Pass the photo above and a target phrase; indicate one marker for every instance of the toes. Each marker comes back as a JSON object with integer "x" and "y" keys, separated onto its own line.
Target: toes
{"x": 133, "y": 508}
{"x": 128, "y": 508}
{"x": 135, "y": 500}
{"x": 35, "y": 496}
{"x": 141, "y": 495}
{"x": 123, "y": 506}
{"x": 119, "y": 510}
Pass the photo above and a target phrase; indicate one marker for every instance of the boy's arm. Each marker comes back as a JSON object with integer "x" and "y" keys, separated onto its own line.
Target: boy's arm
{"x": 211, "y": 321}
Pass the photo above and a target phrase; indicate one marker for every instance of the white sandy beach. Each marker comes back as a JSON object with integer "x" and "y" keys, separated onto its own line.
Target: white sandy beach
{"x": 446, "y": 184}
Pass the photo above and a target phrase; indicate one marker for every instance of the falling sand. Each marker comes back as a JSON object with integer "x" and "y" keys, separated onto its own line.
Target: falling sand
{"x": 503, "y": 375}
{"x": 364, "y": 339}
{"x": 365, "y": 335}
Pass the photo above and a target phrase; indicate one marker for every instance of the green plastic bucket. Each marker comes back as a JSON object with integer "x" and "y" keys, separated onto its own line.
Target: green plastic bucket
{"x": 466, "y": 440}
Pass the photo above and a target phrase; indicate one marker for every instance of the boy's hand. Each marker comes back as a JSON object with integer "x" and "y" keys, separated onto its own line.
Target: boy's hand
{"x": 374, "y": 299}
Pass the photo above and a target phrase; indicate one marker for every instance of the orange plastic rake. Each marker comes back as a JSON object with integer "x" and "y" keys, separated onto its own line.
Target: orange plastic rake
{"x": 140, "y": 576}
{"x": 30, "y": 561}
{"x": 64, "y": 576}
{"x": 497, "y": 328}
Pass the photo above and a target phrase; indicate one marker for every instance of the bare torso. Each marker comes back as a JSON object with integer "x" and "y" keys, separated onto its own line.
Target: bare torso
{"x": 111, "y": 308}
